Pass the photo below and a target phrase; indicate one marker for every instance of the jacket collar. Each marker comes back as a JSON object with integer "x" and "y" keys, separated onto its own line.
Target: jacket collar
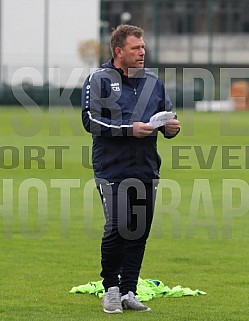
{"x": 139, "y": 74}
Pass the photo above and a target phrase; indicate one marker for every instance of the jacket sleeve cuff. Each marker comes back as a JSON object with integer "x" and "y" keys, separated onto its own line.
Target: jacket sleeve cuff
{"x": 127, "y": 131}
{"x": 167, "y": 134}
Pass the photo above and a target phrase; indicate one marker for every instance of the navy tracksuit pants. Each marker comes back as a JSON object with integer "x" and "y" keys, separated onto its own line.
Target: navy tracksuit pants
{"x": 128, "y": 208}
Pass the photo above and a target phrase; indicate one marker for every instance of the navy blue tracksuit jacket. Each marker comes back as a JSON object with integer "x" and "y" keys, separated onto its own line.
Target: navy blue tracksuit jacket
{"x": 111, "y": 102}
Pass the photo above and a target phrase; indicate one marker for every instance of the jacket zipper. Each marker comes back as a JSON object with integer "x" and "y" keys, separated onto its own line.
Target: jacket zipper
{"x": 135, "y": 91}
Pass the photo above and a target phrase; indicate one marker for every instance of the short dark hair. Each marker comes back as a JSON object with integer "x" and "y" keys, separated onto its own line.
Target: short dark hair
{"x": 119, "y": 35}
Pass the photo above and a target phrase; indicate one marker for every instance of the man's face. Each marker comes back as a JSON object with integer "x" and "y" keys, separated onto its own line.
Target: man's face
{"x": 132, "y": 54}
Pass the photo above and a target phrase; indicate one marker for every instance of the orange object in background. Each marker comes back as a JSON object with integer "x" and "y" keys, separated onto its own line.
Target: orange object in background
{"x": 240, "y": 94}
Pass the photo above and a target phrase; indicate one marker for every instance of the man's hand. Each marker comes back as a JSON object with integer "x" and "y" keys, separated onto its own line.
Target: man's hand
{"x": 172, "y": 126}
{"x": 141, "y": 130}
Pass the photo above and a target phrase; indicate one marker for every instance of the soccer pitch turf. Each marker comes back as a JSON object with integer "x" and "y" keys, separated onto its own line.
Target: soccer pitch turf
{"x": 51, "y": 218}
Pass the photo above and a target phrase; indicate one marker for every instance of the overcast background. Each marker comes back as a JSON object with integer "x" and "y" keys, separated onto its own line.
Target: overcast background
{"x": 70, "y": 21}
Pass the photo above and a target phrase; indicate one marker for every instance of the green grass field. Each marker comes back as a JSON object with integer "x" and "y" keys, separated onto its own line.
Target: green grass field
{"x": 51, "y": 219}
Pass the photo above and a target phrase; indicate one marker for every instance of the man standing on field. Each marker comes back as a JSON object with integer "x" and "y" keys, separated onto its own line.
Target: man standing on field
{"x": 118, "y": 101}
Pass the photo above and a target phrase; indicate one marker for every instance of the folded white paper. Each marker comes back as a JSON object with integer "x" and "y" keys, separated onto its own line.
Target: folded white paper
{"x": 161, "y": 118}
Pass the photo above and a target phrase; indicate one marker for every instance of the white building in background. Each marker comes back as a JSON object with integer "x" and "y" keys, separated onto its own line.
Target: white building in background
{"x": 187, "y": 32}
{"x": 69, "y": 23}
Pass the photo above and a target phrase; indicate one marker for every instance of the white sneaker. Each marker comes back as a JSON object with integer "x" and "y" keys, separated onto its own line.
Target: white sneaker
{"x": 129, "y": 302}
{"x": 112, "y": 301}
